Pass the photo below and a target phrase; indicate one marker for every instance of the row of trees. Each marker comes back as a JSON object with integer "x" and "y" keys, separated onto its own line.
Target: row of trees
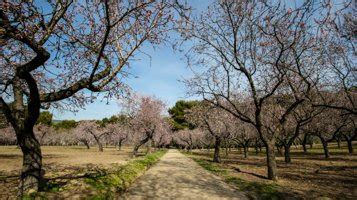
{"x": 216, "y": 128}
{"x": 144, "y": 124}
{"x": 275, "y": 70}
{"x": 61, "y": 54}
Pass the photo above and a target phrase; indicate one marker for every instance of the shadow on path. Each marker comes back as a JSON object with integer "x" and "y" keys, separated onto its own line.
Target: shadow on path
{"x": 178, "y": 177}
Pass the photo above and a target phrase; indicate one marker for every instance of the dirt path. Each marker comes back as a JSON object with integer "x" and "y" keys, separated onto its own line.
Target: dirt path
{"x": 179, "y": 177}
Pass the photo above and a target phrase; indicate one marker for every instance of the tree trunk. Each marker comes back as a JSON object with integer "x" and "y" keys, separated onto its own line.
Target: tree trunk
{"x": 326, "y": 151}
{"x": 271, "y": 162}
{"x": 245, "y": 151}
{"x": 149, "y": 146}
{"x": 136, "y": 147}
{"x": 217, "y": 144}
{"x": 100, "y": 147}
{"x": 119, "y": 144}
{"x": 339, "y": 142}
{"x": 31, "y": 173}
{"x": 287, "y": 153}
{"x": 350, "y": 147}
{"x": 279, "y": 149}
{"x": 304, "y": 141}
{"x": 86, "y": 143}
{"x": 256, "y": 149}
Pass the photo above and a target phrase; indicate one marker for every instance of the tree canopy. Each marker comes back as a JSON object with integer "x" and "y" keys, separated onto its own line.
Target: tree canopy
{"x": 45, "y": 118}
{"x": 66, "y": 124}
{"x": 177, "y": 113}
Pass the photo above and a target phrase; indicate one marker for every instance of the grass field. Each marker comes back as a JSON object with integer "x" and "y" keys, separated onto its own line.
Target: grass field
{"x": 66, "y": 167}
{"x": 309, "y": 176}
{"x": 83, "y": 172}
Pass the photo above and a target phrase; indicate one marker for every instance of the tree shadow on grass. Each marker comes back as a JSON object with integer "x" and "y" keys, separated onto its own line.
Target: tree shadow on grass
{"x": 10, "y": 156}
{"x": 250, "y": 173}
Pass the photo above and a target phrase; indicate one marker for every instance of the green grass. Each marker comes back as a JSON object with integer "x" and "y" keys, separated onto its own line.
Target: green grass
{"x": 263, "y": 191}
{"x": 107, "y": 185}
{"x": 253, "y": 190}
{"x": 210, "y": 166}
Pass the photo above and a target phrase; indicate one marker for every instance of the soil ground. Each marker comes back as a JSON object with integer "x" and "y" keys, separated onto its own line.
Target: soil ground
{"x": 309, "y": 176}
{"x": 59, "y": 162}
{"x": 178, "y": 177}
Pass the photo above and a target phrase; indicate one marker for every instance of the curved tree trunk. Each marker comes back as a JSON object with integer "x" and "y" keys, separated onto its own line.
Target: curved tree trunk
{"x": 31, "y": 173}
{"x": 137, "y": 146}
{"x": 149, "y": 146}
{"x": 23, "y": 117}
{"x": 100, "y": 146}
{"x": 85, "y": 142}
{"x": 217, "y": 144}
{"x": 325, "y": 146}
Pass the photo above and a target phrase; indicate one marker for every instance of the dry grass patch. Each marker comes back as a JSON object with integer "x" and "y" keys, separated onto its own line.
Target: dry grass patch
{"x": 309, "y": 176}
{"x": 64, "y": 165}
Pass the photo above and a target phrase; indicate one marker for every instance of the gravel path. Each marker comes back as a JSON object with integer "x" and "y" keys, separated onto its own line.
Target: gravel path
{"x": 178, "y": 177}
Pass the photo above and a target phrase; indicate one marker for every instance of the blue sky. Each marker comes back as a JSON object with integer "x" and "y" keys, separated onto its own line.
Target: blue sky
{"x": 158, "y": 76}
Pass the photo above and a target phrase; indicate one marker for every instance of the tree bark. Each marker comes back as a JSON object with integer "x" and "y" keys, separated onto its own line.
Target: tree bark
{"x": 23, "y": 117}
{"x": 85, "y": 142}
{"x": 149, "y": 146}
{"x": 217, "y": 144}
{"x": 245, "y": 151}
{"x": 31, "y": 174}
{"x": 120, "y": 144}
{"x": 279, "y": 149}
{"x": 271, "y": 162}
{"x": 325, "y": 146}
{"x": 100, "y": 146}
{"x": 350, "y": 147}
{"x": 256, "y": 149}
{"x": 304, "y": 142}
{"x": 137, "y": 146}
{"x": 339, "y": 142}
{"x": 287, "y": 153}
